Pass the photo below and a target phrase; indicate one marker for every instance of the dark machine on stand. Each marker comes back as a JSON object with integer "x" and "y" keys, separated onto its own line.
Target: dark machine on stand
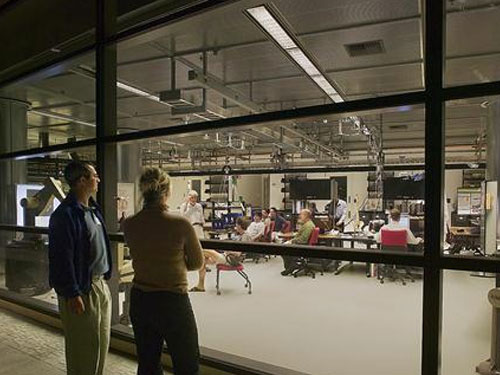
{"x": 26, "y": 266}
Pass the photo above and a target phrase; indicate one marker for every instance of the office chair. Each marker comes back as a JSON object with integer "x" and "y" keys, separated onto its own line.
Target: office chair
{"x": 287, "y": 227}
{"x": 266, "y": 237}
{"x": 239, "y": 269}
{"x": 394, "y": 240}
{"x": 304, "y": 264}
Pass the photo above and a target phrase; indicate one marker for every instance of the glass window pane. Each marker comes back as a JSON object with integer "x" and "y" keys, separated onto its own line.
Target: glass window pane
{"x": 316, "y": 53}
{"x": 44, "y": 32}
{"x": 339, "y": 316}
{"x": 471, "y": 192}
{"x": 472, "y": 54}
{"x": 23, "y": 180}
{"x": 24, "y": 267}
{"x": 467, "y": 322}
{"x": 372, "y": 161}
{"x": 51, "y": 107}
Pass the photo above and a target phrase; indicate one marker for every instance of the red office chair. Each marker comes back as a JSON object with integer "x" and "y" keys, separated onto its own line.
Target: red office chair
{"x": 394, "y": 240}
{"x": 313, "y": 238}
{"x": 241, "y": 271}
{"x": 303, "y": 264}
{"x": 287, "y": 227}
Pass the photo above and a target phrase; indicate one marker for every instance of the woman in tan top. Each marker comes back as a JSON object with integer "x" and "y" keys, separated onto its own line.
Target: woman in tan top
{"x": 163, "y": 247}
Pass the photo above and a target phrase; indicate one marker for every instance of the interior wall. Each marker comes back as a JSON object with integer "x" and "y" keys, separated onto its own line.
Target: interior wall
{"x": 357, "y": 185}
{"x": 250, "y": 188}
{"x": 453, "y": 179}
{"x": 275, "y": 194}
{"x": 179, "y": 192}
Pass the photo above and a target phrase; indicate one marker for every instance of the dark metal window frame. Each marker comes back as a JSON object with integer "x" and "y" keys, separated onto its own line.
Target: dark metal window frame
{"x": 433, "y": 97}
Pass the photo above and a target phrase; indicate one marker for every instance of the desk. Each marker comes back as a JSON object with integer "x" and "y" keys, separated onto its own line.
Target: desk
{"x": 336, "y": 240}
{"x": 285, "y": 236}
{"x": 465, "y": 238}
{"x": 215, "y": 234}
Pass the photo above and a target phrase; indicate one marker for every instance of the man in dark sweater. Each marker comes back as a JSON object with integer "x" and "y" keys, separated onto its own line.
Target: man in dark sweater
{"x": 79, "y": 264}
{"x": 279, "y": 221}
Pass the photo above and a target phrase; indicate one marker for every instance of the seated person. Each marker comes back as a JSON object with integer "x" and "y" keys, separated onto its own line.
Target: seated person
{"x": 394, "y": 225}
{"x": 266, "y": 218}
{"x": 256, "y": 228}
{"x": 301, "y": 238}
{"x": 279, "y": 221}
{"x": 214, "y": 257}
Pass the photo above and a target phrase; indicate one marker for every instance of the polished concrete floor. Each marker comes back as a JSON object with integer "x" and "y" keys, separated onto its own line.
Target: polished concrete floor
{"x": 345, "y": 324}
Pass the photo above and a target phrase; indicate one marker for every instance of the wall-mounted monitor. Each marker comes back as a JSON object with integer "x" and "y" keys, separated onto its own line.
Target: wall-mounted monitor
{"x": 309, "y": 189}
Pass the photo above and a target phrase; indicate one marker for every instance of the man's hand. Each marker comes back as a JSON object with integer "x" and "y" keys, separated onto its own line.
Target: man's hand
{"x": 76, "y": 305}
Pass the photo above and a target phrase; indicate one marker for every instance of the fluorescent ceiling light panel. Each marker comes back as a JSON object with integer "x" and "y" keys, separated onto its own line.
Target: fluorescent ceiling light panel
{"x": 267, "y": 21}
{"x": 139, "y": 92}
{"x": 62, "y": 117}
{"x": 275, "y": 30}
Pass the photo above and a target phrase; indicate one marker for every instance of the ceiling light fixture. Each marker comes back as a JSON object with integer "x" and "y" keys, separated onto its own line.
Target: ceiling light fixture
{"x": 61, "y": 117}
{"x": 88, "y": 71}
{"x": 139, "y": 92}
{"x": 268, "y": 20}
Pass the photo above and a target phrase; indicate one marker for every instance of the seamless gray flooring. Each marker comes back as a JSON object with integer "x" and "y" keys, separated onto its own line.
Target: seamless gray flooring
{"x": 342, "y": 325}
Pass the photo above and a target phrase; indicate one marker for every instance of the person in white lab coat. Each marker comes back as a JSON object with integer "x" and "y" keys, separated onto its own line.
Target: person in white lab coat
{"x": 193, "y": 211}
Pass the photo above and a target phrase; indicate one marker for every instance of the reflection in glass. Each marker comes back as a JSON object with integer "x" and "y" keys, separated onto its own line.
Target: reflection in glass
{"x": 51, "y": 107}
{"x": 253, "y": 58}
{"x": 24, "y": 266}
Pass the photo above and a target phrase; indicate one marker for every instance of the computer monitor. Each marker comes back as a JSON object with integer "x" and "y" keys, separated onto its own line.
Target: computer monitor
{"x": 404, "y": 221}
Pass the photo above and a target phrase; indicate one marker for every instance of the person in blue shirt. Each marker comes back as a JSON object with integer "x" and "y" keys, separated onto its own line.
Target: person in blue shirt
{"x": 279, "y": 221}
{"x": 79, "y": 264}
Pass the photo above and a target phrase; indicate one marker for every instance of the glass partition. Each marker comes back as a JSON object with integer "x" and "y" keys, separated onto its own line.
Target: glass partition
{"x": 472, "y": 54}
{"x": 471, "y": 192}
{"x": 468, "y": 332}
{"x": 32, "y": 188}
{"x": 245, "y": 58}
{"x": 50, "y": 107}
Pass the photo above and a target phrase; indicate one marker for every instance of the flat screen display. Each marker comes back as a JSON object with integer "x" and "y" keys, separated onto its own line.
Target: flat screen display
{"x": 404, "y": 188}
{"x": 309, "y": 189}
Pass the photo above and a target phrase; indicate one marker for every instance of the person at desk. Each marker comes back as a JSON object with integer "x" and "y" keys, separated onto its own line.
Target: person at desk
{"x": 193, "y": 211}
{"x": 301, "y": 238}
{"x": 395, "y": 226}
{"x": 337, "y": 211}
{"x": 214, "y": 257}
{"x": 256, "y": 228}
{"x": 279, "y": 221}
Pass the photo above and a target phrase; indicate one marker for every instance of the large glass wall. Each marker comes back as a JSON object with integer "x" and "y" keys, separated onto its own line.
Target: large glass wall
{"x": 472, "y": 53}
{"x": 251, "y": 58}
{"x": 229, "y": 109}
{"x": 52, "y": 107}
{"x": 471, "y": 193}
{"x": 28, "y": 197}
{"x": 467, "y": 321}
